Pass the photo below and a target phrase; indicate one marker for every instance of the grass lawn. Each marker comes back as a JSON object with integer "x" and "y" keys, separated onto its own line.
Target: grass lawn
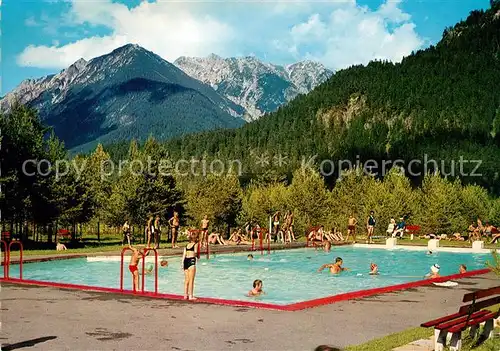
{"x": 389, "y": 342}
{"x": 392, "y": 341}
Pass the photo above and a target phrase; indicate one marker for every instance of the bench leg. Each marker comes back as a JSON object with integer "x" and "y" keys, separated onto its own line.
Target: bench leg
{"x": 456, "y": 341}
{"x": 473, "y": 331}
{"x": 488, "y": 329}
{"x": 439, "y": 339}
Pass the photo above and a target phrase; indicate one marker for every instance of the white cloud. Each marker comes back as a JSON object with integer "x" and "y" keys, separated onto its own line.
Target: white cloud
{"x": 30, "y": 22}
{"x": 337, "y": 33}
{"x": 354, "y": 34}
{"x": 391, "y": 12}
{"x": 56, "y": 57}
{"x": 169, "y": 29}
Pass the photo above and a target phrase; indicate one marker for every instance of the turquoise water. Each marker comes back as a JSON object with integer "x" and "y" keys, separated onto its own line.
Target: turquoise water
{"x": 289, "y": 276}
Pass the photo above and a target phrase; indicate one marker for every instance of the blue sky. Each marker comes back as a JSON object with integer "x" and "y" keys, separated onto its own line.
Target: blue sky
{"x": 41, "y": 37}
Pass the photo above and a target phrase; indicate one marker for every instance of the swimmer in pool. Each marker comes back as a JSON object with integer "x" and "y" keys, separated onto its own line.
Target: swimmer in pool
{"x": 335, "y": 268}
{"x": 257, "y": 288}
{"x": 434, "y": 272}
{"x": 373, "y": 269}
{"x": 429, "y": 252}
{"x": 250, "y": 257}
{"x": 150, "y": 267}
{"x": 462, "y": 269}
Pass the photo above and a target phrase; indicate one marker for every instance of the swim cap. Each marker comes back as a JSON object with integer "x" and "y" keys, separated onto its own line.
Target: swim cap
{"x": 435, "y": 268}
{"x": 149, "y": 267}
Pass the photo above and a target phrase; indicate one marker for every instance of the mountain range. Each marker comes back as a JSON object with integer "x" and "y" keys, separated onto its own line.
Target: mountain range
{"x": 257, "y": 86}
{"x": 440, "y": 104}
{"x": 133, "y": 93}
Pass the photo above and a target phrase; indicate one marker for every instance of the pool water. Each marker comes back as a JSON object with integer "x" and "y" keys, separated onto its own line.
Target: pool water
{"x": 288, "y": 276}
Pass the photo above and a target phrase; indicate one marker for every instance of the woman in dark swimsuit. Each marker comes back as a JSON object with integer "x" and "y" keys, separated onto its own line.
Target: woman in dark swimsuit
{"x": 189, "y": 266}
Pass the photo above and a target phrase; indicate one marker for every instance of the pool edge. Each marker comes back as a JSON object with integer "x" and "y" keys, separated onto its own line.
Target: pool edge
{"x": 236, "y": 303}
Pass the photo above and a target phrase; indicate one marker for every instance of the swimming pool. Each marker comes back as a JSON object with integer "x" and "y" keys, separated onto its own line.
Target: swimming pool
{"x": 289, "y": 276}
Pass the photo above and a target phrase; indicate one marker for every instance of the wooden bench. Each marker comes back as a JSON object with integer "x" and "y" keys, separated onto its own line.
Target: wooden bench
{"x": 413, "y": 229}
{"x": 470, "y": 315}
{"x": 63, "y": 233}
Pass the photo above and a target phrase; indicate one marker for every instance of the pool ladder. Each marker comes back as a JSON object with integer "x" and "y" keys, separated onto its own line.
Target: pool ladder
{"x": 6, "y": 258}
{"x": 143, "y": 253}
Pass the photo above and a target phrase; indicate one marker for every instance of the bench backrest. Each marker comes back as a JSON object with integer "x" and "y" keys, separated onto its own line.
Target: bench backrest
{"x": 492, "y": 293}
{"x": 415, "y": 228}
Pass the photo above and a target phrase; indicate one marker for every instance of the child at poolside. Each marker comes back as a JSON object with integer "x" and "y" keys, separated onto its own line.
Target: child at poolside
{"x": 335, "y": 268}
{"x": 462, "y": 269}
{"x": 373, "y": 269}
{"x": 257, "y": 288}
{"x": 134, "y": 270}
{"x": 434, "y": 272}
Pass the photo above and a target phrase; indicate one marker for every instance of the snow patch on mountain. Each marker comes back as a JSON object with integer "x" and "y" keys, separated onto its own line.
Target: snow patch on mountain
{"x": 257, "y": 86}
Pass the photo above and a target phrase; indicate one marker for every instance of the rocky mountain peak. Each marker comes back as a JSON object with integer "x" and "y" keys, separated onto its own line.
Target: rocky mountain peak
{"x": 258, "y": 86}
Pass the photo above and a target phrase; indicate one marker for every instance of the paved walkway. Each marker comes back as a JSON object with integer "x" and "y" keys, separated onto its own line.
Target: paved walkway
{"x": 54, "y": 319}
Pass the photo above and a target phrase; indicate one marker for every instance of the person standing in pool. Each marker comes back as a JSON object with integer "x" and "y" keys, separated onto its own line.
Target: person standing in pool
{"x": 373, "y": 269}
{"x": 351, "y": 228}
{"x": 335, "y": 268}
{"x": 204, "y": 230}
{"x": 370, "y": 227}
{"x": 174, "y": 223}
{"x": 189, "y": 266}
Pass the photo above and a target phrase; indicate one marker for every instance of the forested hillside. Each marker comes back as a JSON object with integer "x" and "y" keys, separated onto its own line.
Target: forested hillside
{"x": 442, "y": 101}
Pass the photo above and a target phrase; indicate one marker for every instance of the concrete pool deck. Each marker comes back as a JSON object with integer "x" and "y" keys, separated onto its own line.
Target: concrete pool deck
{"x": 58, "y": 319}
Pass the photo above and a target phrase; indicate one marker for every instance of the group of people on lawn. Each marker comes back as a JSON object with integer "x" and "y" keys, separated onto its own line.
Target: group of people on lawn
{"x": 477, "y": 230}
{"x": 283, "y": 230}
{"x": 397, "y": 230}
{"x": 318, "y": 234}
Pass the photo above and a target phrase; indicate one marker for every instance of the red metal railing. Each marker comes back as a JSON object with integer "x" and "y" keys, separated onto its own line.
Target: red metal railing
{"x": 208, "y": 247}
{"x": 20, "y": 258}
{"x": 253, "y": 239}
{"x": 146, "y": 250}
{"x": 5, "y": 259}
{"x": 260, "y": 242}
{"x": 268, "y": 243}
